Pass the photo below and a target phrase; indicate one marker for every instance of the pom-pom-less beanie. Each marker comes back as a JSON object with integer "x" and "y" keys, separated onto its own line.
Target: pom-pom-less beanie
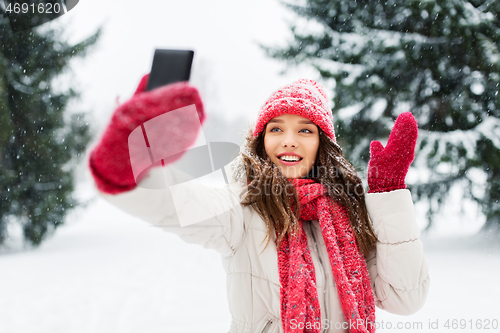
{"x": 303, "y": 97}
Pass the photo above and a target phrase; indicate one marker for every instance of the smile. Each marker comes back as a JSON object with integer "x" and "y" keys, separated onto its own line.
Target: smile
{"x": 289, "y": 160}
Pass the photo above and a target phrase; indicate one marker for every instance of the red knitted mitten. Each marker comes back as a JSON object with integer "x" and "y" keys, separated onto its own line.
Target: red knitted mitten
{"x": 109, "y": 161}
{"x": 388, "y": 166}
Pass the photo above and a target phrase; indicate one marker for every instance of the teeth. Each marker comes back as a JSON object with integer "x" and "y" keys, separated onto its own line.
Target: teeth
{"x": 289, "y": 158}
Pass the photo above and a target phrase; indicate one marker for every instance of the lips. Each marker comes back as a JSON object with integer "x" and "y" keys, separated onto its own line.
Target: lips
{"x": 289, "y": 163}
{"x": 286, "y": 158}
{"x": 289, "y": 154}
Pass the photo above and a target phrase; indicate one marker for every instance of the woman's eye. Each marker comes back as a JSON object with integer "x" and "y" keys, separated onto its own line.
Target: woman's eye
{"x": 277, "y": 128}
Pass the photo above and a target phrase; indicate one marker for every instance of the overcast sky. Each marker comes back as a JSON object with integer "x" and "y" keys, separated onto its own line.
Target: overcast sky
{"x": 231, "y": 71}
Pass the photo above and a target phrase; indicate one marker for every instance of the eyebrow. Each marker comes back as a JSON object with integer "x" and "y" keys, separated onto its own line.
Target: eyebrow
{"x": 300, "y": 122}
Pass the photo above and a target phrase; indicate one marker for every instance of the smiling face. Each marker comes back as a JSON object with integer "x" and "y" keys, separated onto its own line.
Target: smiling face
{"x": 292, "y": 143}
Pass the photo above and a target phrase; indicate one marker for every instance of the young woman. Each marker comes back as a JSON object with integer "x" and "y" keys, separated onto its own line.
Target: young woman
{"x": 305, "y": 250}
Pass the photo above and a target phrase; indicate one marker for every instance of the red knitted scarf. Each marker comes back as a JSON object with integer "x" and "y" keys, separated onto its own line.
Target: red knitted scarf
{"x": 299, "y": 297}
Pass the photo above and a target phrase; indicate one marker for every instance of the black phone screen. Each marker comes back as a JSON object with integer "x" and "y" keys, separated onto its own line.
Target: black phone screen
{"x": 170, "y": 66}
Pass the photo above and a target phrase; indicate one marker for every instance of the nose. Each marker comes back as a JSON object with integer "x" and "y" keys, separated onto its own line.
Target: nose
{"x": 289, "y": 141}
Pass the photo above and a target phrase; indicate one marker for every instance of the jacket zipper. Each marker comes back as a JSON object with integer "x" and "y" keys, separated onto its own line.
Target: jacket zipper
{"x": 266, "y": 326}
{"x": 325, "y": 300}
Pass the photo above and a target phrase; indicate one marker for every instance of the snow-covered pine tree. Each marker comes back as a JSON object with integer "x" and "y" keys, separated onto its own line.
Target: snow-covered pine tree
{"x": 37, "y": 141}
{"x": 438, "y": 59}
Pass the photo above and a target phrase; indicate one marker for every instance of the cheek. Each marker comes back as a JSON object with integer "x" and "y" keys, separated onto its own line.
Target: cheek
{"x": 268, "y": 146}
{"x": 315, "y": 151}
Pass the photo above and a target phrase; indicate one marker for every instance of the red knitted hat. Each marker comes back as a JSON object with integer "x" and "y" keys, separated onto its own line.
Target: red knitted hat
{"x": 303, "y": 97}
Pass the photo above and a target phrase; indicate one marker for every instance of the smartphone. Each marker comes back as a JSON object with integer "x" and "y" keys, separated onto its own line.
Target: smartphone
{"x": 170, "y": 66}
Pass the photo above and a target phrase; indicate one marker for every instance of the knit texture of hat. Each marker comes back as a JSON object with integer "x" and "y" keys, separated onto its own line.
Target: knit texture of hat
{"x": 303, "y": 97}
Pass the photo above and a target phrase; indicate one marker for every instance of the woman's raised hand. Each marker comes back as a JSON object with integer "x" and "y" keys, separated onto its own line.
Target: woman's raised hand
{"x": 388, "y": 166}
{"x": 109, "y": 161}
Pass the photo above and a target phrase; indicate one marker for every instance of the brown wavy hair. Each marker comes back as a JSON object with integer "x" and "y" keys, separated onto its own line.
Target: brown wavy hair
{"x": 272, "y": 195}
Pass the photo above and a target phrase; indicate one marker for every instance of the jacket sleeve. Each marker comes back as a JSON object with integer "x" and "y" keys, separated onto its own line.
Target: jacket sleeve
{"x": 398, "y": 269}
{"x": 197, "y": 213}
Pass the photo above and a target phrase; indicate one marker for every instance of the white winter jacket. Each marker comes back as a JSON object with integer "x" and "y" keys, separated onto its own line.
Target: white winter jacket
{"x": 398, "y": 270}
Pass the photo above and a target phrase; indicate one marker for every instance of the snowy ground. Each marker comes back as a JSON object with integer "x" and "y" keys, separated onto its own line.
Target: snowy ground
{"x": 108, "y": 272}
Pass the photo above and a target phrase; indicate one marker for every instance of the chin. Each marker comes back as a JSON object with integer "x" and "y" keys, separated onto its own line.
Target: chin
{"x": 292, "y": 175}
